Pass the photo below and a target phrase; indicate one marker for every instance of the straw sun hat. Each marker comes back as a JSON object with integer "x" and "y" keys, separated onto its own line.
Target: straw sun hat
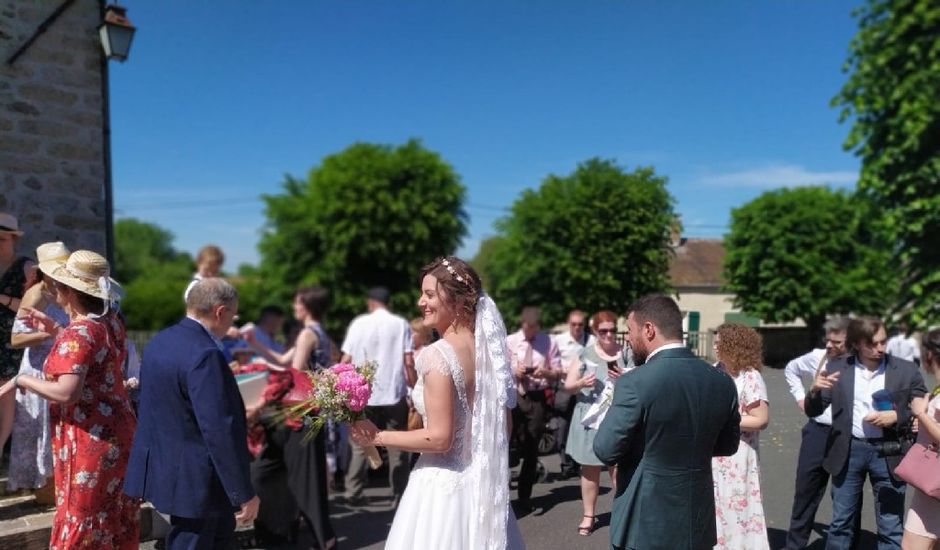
{"x": 52, "y": 252}
{"x": 85, "y": 271}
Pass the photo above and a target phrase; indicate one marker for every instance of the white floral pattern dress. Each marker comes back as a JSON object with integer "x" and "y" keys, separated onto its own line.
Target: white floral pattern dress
{"x": 738, "y": 504}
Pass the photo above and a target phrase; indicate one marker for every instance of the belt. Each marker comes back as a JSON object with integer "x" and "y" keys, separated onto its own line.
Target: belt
{"x": 868, "y": 439}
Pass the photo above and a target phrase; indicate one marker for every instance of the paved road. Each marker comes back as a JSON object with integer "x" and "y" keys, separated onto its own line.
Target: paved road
{"x": 553, "y": 525}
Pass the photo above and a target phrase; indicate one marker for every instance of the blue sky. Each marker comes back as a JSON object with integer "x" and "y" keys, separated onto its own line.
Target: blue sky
{"x": 219, "y": 100}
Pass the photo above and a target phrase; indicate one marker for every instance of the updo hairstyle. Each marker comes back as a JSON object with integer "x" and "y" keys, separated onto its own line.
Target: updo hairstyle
{"x": 931, "y": 344}
{"x": 459, "y": 285}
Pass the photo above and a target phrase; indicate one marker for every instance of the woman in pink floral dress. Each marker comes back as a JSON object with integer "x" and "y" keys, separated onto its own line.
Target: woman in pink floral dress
{"x": 92, "y": 417}
{"x": 738, "y": 504}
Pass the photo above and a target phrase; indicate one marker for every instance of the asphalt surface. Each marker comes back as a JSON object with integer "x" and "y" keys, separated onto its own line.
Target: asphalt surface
{"x": 552, "y": 526}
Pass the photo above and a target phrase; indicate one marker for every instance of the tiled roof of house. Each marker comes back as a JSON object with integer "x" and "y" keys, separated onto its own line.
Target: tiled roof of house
{"x": 697, "y": 262}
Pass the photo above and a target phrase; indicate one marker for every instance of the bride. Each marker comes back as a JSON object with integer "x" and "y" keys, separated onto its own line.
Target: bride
{"x": 458, "y": 493}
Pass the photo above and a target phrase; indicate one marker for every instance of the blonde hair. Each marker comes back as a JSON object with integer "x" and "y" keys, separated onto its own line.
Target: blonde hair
{"x": 210, "y": 253}
{"x": 420, "y": 334}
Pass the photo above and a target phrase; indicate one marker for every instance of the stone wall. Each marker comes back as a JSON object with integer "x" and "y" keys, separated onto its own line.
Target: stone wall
{"x": 52, "y": 170}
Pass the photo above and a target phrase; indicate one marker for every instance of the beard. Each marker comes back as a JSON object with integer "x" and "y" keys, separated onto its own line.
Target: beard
{"x": 640, "y": 353}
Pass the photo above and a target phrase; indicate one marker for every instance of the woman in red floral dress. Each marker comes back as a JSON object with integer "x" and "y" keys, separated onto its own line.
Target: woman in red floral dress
{"x": 92, "y": 416}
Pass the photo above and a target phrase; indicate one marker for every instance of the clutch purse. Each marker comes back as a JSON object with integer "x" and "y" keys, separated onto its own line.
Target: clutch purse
{"x": 920, "y": 467}
{"x": 415, "y": 422}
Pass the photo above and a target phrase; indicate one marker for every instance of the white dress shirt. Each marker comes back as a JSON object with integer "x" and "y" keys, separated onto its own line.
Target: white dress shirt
{"x": 664, "y": 347}
{"x": 385, "y": 338}
{"x": 866, "y": 383}
{"x": 904, "y": 347}
{"x": 800, "y": 373}
{"x": 569, "y": 348}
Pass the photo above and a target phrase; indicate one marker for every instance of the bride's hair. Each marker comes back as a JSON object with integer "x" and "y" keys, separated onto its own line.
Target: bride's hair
{"x": 459, "y": 286}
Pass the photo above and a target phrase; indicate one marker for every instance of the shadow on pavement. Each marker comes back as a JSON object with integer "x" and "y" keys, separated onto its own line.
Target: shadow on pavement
{"x": 778, "y": 539}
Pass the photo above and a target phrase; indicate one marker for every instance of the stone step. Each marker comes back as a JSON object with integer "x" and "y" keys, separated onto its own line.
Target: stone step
{"x": 27, "y": 525}
{"x": 24, "y": 523}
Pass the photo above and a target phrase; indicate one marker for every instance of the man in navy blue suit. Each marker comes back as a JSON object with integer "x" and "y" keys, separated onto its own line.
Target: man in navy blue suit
{"x": 190, "y": 454}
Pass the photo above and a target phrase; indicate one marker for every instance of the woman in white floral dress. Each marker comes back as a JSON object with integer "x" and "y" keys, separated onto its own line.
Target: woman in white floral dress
{"x": 738, "y": 503}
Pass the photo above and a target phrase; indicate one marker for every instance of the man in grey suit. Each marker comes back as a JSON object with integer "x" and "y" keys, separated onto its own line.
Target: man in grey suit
{"x": 668, "y": 418}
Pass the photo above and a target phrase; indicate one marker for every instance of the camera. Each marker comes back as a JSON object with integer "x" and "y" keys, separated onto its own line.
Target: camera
{"x": 900, "y": 444}
{"x": 896, "y": 447}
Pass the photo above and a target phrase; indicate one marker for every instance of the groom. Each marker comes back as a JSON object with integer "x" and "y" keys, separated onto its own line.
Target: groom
{"x": 668, "y": 418}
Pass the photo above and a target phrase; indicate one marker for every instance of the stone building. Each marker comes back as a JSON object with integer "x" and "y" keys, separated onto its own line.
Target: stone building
{"x": 54, "y": 136}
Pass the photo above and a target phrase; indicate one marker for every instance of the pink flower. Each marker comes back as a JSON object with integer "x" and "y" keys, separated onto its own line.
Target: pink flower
{"x": 340, "y": 368}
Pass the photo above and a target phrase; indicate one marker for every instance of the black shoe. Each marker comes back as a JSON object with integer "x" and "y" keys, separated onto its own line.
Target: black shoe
{"x": 523, "y": 507}
{"x": 357, "y": 502}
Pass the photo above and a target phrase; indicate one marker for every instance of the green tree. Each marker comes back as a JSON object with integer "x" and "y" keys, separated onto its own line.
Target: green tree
{"x": 140, "y": 246}
{"x": 154, "y": 274}
{"x": 369, "y": 215}
{"x": 891, "y": 98}
{"x": 805, "y": 253}
{"x": 595, "y": 239}
{"x": 481, "y": 260}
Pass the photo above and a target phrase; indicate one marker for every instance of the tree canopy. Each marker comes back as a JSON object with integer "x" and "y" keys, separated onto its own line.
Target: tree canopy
{"x": 807, "y": 252}
{"x": 154, "y": 274}
{"x": 891, "y": 99}
{"x": 368, "y": 215}
{"x": 595, "y": 239}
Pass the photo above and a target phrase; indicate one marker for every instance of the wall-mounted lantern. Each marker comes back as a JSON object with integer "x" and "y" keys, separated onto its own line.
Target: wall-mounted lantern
{"x": 116, "y": 32}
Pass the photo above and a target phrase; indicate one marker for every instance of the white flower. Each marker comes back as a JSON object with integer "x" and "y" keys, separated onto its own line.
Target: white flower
{"x": 102, "y": 353}
{"x": 112, "y": 485}
{"x": 105, "y": 409}
{"x": 82, "y": 477}
{"x": 113, "y": 453}
{"x": 87, "y": 394}
{"x": 78, "y": 415}
{"x": 109, "y": 377}
{"x": 96, "y": 431}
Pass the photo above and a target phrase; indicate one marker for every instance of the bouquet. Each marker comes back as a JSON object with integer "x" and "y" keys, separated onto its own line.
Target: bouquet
{"x": 339, "y": 393}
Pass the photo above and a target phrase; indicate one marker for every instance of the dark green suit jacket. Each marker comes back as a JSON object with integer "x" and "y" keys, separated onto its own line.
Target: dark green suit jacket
{"x": 668, "y": 418}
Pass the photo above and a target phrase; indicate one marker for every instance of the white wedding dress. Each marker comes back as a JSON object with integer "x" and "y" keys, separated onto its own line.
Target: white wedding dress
{"x": 459, "y": 500}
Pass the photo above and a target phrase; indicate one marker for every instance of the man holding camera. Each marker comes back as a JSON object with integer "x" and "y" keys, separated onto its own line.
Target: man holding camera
{"x": 870, "y": 393}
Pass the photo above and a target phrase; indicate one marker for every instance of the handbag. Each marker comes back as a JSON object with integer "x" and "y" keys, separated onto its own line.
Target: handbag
{"x": 921, "y": 468}
{"x": 415, "y": 422}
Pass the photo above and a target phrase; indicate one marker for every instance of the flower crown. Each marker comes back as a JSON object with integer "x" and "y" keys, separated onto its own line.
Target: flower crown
{"x": 453, "y": 272}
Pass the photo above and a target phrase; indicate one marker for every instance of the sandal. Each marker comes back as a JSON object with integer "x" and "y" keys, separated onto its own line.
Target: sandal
{"x": 586, "y": 531}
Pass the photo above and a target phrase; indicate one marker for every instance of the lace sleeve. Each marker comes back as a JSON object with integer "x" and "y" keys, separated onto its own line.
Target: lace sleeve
{"x": 432, "y": 358}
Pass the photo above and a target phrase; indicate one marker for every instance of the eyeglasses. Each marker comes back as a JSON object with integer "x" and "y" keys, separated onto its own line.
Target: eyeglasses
{"x": 607, "y": 331}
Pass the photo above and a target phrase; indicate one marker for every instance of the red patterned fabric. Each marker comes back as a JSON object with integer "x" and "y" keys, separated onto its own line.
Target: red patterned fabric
{"x": 285, "y": 387}
{"x": 92, "y": 440}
